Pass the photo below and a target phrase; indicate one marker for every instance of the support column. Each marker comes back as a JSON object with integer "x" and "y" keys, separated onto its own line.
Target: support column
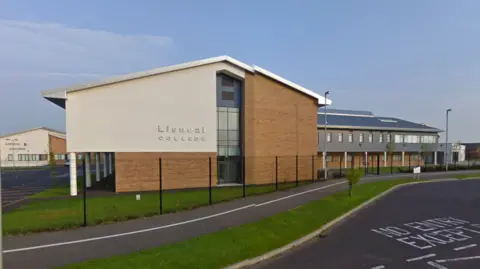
{"x": 384, "y": 159}
{"x": 87, "y": 177}
{"x": 105, "y": 161}
{"x": 110, "y": 163}
{"x": 97, "y": 166}
{"x": 403, "y": 158}
{"x": 366, "y": 159}
{"x": 435, "y": 158}
{"x": 73, "y": 174}
{"x": 346, "y": 159}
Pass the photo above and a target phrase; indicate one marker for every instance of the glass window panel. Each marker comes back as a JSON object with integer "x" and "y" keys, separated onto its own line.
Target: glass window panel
{"x": 222, "y": 151}
{"x": 329, "y": 137}
{"x": 380, "y": 138}
{"x": 233, "y": 143}
{"x": 340, "y": 137}
{"x": 398, "y": 138}
{"x": 360, "y": 138}
{"x": 233, "y": 135}
{"x": 222, "y": 135}
{"x": 222, "y": 120}
{"x": 233, "y": 121}
{"x": 223, "y": 109}
{"x": 230, "y": 96}
{"x": 350, "y": 137}
{"x": 370, "y": 138}
{"x": 234, "y": 109}
{"x": 233, "y": 151}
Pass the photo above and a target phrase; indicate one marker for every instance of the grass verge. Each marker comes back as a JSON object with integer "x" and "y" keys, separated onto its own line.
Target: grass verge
{"x": 51, "y": 215}
{"x": 235, "y": 244}
{"x": 464, "y": 176}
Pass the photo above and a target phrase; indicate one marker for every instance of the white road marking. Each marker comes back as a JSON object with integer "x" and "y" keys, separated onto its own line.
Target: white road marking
{"x": 421, "y": 257}
{"x": 160, "y": 227}
{"x": 459, "y": 259}
{"x": 127, "y": 233}
{"x": 465, "y": 247}
{"x": 378, "y": 267}
{"x": 436, "y": 265}
{"x": 14, "y": 202}
{"x": 300, "y": 193}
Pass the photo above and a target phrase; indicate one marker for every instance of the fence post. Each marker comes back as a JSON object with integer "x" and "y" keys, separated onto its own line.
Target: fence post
{"x": 409, "y": 161}
{"x": 391, "y": 164}
{"x": 160, "y": 185}
{"x": 296, "y": 170}
{"x": 84, "y": 193}
{"x": 378, "y": 164}
{"x": 341, "y": 161}
{"x": 243, "y": 177}
{"x": 276, "y": 173}
{"x": 210, "y": 180}
{"x": 313, "y": 168}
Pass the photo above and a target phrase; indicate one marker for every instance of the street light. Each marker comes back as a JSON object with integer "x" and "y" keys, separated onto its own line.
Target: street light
{"x": 325, "y": 138}
{"x": 446, "y": 142}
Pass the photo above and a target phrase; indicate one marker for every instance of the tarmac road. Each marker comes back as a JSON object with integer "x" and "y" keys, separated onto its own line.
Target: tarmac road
{"x": 423, "y": 226}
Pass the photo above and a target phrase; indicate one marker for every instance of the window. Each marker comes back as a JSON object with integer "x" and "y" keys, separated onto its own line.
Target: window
{"x": 10, "y": 157}
{"x": 230, "y": 96}
{"x": 360, "y": 138}
{"x": 389, "y": 138}
{"x": 350, "y": 138}
{"x": 329, "y": 137}
{"x": 397, "y": 157}
{"x": 414, "y": 157}
{"x": 370, "y": 138}
{"x": 349, "y": 158}
{"x": 398, "y": 138}
{"x": 59, "y": 157}
{"x": 429, "y": 139}
{"x": 411, "y": 139}
{"x": 340, "y": 137}
{"x": 43, "y": 157}
{"x": 227, "y": 81}
{"x": 329, "y": 158}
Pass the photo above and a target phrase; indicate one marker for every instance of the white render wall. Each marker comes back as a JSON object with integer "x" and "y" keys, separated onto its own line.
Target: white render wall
{"x": 170, "y": 112}
{"x": 32, "y": 142}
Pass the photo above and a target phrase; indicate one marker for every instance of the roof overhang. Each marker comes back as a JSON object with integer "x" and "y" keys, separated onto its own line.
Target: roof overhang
{"x": 58, "y": 96}
{"x": 346, "y": 127}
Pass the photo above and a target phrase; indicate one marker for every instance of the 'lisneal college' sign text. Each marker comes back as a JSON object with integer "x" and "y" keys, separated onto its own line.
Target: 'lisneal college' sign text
{"x": 179, "y": 134}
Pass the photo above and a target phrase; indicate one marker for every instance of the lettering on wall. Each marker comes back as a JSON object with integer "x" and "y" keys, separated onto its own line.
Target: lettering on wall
{"x": 171, "y": 133}
{"x": 431, "y": 232}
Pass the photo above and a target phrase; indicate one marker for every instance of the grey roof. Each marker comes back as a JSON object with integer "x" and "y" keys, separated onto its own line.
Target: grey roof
{"x": 346, "y": 112}
{"x": 34, "y": 129}
{"x": 371, "y": 122}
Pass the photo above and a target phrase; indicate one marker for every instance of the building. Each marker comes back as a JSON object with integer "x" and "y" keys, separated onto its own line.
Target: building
{"x": 32, "y": 148}
{"x": 359, "y": 139}
{"x": 240, "y": 116}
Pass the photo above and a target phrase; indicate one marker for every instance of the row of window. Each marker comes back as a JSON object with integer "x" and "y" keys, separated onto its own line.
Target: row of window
{"x": 29, "y": 157}
{"x": 349, "y": 158}
{"x": 410, "y": 139}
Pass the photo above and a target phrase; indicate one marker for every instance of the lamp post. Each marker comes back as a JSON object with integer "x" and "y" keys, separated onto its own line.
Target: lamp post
{"x": 446, "y": 142}
{"x": 13, "y": 149}
{"x": 325, "y": 138}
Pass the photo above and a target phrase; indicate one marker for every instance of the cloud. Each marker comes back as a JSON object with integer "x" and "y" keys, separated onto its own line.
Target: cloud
{"x": 40, "y": 56}
{"x": 56, "y": 48}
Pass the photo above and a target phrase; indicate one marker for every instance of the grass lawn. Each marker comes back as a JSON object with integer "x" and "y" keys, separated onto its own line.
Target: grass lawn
{"x": 235, "y": 244}
{"x": 49, "y": 215}
{"x": 464, "y": 176}
{"x": 60, "y": 190}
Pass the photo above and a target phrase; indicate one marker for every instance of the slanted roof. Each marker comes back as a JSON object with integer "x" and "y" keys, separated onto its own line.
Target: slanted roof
{"x": 369, "y": 121}
{"x": 52, "y": 131}
{"x": 57, "y": 95}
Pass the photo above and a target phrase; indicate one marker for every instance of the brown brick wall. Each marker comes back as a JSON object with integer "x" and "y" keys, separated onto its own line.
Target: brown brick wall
{"x": 279, "y": 121}
{"x": 57, "y": 146}
{"x": 140, "y": 171}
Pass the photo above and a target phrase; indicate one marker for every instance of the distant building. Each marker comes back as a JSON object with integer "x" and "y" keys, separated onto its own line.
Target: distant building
{"x": 32, "y": 148}
{"x": 357, "y": 138}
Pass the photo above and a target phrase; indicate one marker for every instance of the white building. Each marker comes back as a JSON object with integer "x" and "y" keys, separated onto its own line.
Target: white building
{"x": 32, "y": 148}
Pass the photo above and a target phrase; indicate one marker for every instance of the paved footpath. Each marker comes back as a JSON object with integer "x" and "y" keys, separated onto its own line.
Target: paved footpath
{"x": 48, "y": 250}
{"x": 424, "y": 226}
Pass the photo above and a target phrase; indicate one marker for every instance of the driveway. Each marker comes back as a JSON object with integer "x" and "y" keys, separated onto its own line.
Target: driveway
{"x": 434, "y": 225}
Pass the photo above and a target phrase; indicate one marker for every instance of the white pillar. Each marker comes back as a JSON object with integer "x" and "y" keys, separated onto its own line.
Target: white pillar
{"x": 384, "y": 159}
{"x": 73, "y": 174}
{"x": 87, "y": 177}
{"x": 110, "y": 163}
{"x": 97, "y": 166}
{"x": 366, "y": 159}
{"x": 346, "y": 159}
{"x": 403, "y": 158}
{"x": 105, "y": 161}
{"x": 435, "y": 158}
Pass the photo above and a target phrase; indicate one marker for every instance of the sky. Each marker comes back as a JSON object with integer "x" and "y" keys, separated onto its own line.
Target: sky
{"x": 407, "y": 58}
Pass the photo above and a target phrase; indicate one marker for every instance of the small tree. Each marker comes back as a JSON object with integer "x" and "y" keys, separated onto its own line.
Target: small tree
{"x": 390, "y": 149}
{"x": 353, "y": 177}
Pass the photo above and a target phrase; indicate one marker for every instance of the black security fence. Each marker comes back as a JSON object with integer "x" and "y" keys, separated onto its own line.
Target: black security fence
{"x": 146, "y": 186}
